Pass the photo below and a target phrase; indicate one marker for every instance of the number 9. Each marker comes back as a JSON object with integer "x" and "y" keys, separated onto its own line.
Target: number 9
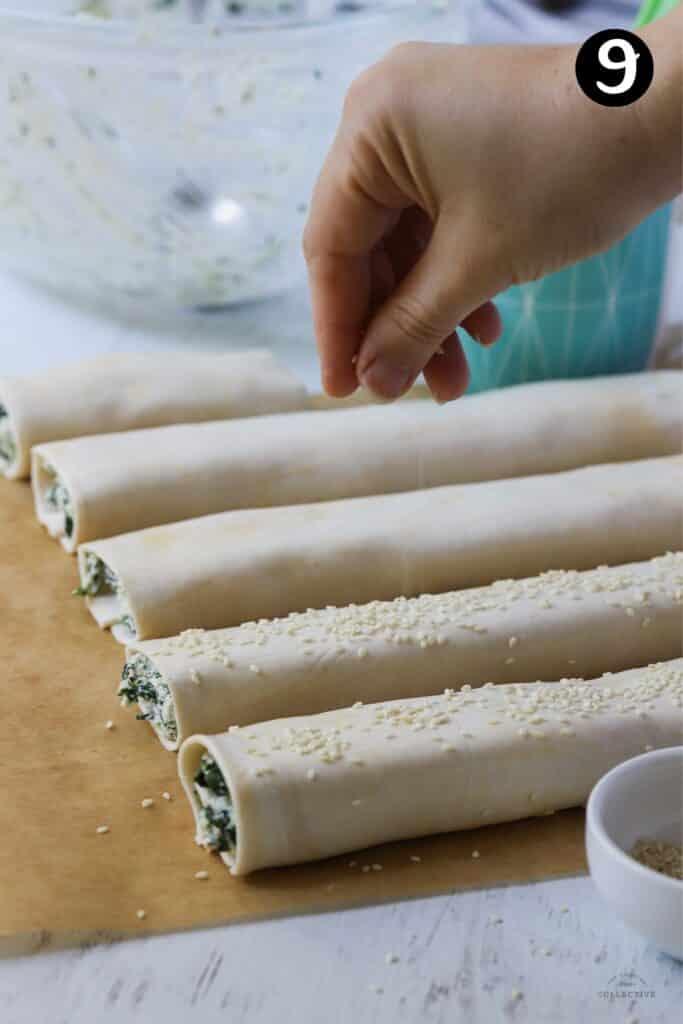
{"x": 628, "y": 64}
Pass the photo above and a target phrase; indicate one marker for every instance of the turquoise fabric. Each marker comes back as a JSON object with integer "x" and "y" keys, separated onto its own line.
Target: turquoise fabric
{"x": 597, "y": 317}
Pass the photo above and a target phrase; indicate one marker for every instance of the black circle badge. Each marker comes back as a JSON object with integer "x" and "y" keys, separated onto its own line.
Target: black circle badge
{"x": 614, "y": 67}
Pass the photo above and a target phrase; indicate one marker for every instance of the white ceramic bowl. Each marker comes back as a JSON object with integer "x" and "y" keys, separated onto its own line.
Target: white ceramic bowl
{"x": 639, "y": 799}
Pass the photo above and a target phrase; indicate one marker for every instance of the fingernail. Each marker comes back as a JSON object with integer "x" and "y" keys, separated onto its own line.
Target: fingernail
{"x": 484, "y": 342}
{"x": 385, "y": 379}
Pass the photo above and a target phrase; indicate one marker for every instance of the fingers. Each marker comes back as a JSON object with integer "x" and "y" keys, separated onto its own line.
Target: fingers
{"x": 441, "y": 291}
{"x": 484, "y": 324}
{"x": 447, "y": 373}
{"x": 344, "y": 227}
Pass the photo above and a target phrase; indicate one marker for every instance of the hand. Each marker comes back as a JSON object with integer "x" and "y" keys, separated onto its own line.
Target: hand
{"x": 456, "y": 172}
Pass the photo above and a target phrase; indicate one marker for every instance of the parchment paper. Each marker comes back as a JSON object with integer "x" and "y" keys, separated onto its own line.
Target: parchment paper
{"x": 63, "y": 774}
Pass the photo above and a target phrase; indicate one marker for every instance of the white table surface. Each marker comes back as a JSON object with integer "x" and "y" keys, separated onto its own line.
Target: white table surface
{"x": 538, "y": 953}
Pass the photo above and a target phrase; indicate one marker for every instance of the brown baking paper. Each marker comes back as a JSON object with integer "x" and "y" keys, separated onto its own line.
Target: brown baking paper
{"x": 64, "y": 774}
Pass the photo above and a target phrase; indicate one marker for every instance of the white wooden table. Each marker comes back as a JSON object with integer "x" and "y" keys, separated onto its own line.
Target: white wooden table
{"x": 538, "y": 953}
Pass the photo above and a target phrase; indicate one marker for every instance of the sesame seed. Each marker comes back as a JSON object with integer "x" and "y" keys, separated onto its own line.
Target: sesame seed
{"x": 201, "y": 875}
{"x": 141, "y": 915}
{"x": 102, "y": 830}
{"x": 166, "y": 795}
{"x": 147, "y": 802}
{"x": 475, "y": 854}
{"x": 377, "y": 867}
{"x": 356, "y": 803}
{"x": 415, "y": 859}
{"x": 311, "y": 775}
{"x": 109, "y": 725}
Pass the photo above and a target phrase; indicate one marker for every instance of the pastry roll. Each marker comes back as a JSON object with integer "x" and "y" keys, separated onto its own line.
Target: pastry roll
{"x": 299, "y": 789}
{"x": 127, "y": 391}
{"x": 552, "y": 625}
{"x": 227, "y": 569}
{"x": 93, "y": 488}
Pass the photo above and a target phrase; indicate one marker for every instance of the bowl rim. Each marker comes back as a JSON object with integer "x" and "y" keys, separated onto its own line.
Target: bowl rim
{"x": 91, "y": 41}
{"x": 110, "y": 28}
{"x": 595, "y": 823}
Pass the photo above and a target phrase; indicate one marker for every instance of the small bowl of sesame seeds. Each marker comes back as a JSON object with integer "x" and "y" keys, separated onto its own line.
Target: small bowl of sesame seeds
{"x": 634, "y": 839}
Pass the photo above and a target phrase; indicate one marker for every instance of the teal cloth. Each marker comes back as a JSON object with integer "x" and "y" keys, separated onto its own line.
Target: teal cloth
{"x": 597, "y": 317}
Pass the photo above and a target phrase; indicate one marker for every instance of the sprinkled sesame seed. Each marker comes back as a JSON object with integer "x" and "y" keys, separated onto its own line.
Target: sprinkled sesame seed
{"x": 102, "y": 830}
{"x": 109, "y": 725}
{"x": 415, "y": 859}
{"x": 147, "y": 802}
{"x": 475, "y": 854}
{"x": 311, "y": 775}
{"x": 377, "y": 867}
{"x": 141, "y": 915}
{"x": 356, "y": 803}
{"x": 201, "y": 875}
{"x": 166, "y": 796}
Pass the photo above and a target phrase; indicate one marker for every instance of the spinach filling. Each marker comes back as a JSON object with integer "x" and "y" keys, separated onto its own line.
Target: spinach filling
{"x": 143, "y": 685}
{"x": 57, "y": 497}
{"x": 97, "y": 578}
{"x": 217, "y": 829}
{"x": 8, "y": 443}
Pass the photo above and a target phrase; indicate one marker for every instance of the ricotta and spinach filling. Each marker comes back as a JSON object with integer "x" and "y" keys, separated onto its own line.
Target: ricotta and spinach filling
{"x": 142, "y": 684}
{"x": 97, "y": 579}
{"x": 57, "y": 497}
{"x": 8, "y": 442}
{"x": 216, "y": 826}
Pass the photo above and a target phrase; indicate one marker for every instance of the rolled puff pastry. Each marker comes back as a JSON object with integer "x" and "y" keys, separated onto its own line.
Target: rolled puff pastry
{"x": 129, "y": 391}
{"x": 322, "y": 785}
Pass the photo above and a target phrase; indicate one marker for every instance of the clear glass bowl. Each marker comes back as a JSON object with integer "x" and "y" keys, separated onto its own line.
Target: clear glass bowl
{"x": 163, "y": 163}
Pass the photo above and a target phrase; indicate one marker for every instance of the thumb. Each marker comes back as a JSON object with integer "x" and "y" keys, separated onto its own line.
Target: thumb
{"x": 452, "y": 278}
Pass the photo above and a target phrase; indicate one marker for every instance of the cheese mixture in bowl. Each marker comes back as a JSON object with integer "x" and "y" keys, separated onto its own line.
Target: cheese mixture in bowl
{"x": 180, "y": 137}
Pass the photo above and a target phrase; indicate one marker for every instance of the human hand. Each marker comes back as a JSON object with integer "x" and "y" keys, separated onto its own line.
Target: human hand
{"x": 455, "y": 173}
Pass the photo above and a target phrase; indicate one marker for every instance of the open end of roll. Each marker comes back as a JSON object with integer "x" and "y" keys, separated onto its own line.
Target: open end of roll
{"x": 143, "y": 685}
{"x": 54, "y": 504}
{"x": 212, "y": 802}
{"x": 105, "y": 596}
{"x": 8, "y": 442}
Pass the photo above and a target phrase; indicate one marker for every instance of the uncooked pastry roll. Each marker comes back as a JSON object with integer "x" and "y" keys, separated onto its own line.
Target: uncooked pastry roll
{"x": 227, "y": 569}
{"x": 130, "y": 390}
{"x": 560, "y": 623}
{"x": 98, "y": 487}
{"x": 299, "y": 789}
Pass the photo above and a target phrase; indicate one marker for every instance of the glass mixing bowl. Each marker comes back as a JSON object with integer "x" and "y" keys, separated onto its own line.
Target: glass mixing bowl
{"x": 159, "y": 155}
